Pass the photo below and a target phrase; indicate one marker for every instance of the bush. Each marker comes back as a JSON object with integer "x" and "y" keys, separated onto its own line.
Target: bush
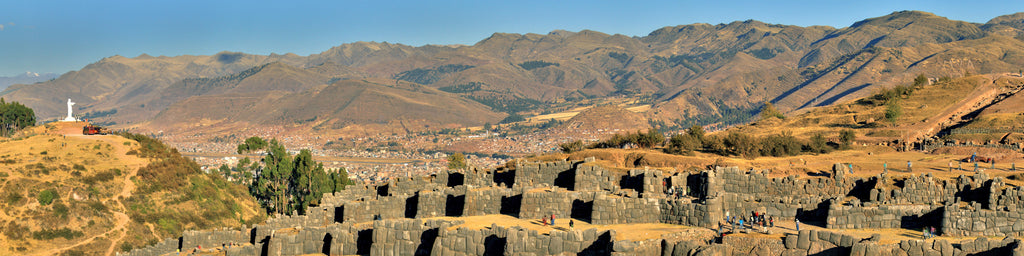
{"x": 572, "y": 147}
{"x": 13, "y": 198}
{"x": 893, "y": 111}
{"x": 846, "y": 137}
{"x": 682, "y": 143}
{"x": 769, "y": 111}
{"x": 49, "y": 234}
{"x": 60, "y": 210}
{"x": 46, "y": 196}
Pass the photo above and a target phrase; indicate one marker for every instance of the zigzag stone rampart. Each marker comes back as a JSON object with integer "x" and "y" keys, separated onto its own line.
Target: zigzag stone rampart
{"x": 391, "y": 218}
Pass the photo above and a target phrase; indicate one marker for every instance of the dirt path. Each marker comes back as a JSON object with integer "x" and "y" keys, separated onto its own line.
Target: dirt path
{"x": 986, "y": 95}
{"x": 132, "y": 166}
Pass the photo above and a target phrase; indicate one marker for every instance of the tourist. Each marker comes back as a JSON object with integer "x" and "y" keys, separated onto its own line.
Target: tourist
{"x": 797, "y": 224}
{"x": 993, "y": 164}
{"x": 885, "y": 167}
{"x": 771, "y": 221}
{"x": 851, "y": 168}
{"x": 544, "y": 220}
{"x": 910, "y": 167}
{"x": 924, "y": 232}
{"x": 931, "y": 231}
{"x": 960, "y": 165}
{"x": 552, "y": 219}
{"x": 571, "y": 224}
{"x": 975, "y": 166}
{"x": 950, "y": 165}
{"x": 741, "y": 225}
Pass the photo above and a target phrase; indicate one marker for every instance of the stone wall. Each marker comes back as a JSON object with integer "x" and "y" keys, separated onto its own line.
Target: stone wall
{"x": 406, "y": 237}
{"x": 518, "y": 241}
{"x": 973, "y": 222}
{"x": 884, "y": 216}
{"x": 620, "y": 210}
{"x": 685, "y": 212}
{"x": 214, "y": 238}
{"x": 968, "y": 205}
{"x": 485, "y": 201}
{"x": 539, "y": 203}
{"x": 367, "y": 210}
{"x": 558, "y": 173}
{"x": 590, "y": 177}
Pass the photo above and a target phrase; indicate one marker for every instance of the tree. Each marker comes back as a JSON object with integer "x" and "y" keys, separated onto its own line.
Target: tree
{"x": 456, "y": 161}
{"x": 488, "y": 126}
{"x": 225, "y": 171}
{"x": 252, "y": 144}
{"x": 697, "y": 132}
{"x": 769, "y": 111}
{"x": 682, "y": 143}
{"x": 14, "y": 116}
{"x": 309, "y": 182}
{"x": 920, "y": 80}
{"x": 339, "y": 179}
{"x": 572, "y": 146}
{"x": 893, "y": 111}
{"x": 818, "y": 144}
{"x": 652, "y": 138}
{"x": 741, "y": 144}
{"x": 271, "y": 184}
{"x": 846, "y": 137}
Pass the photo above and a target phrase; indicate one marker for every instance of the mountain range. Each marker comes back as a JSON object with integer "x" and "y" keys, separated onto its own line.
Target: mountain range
{"x": 25, "y": 78}
{"x": 690, "y": 74}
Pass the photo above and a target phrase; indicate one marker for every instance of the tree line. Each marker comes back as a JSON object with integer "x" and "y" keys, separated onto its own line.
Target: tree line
{"x": 734, "y": 143}
{"x": 14, "y": 116}
{"x": 283, "y": 182}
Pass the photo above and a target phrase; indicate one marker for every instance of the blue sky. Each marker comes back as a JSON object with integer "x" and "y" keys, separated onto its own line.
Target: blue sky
{"x": 60, "y": 36}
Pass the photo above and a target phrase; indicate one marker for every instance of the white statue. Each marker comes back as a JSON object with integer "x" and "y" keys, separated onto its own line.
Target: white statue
{"x": 70, "y": 118}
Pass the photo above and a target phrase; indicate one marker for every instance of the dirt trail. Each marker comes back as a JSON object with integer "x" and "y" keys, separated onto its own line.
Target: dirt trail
{"x": 132, "y": 165}
{"x": 986, "y": 95}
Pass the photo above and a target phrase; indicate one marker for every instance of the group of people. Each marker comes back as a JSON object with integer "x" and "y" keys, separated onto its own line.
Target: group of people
{"x": 545, "y": 220}
{"x": 678, "y": 193}
{"x": 757, "y": 220}
{"x": 928, "y": 232}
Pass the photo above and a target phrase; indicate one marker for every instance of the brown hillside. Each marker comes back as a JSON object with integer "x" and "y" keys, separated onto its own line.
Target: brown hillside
{"x": 105, "y": 199}
{"x": 609, "y": 118}
{"x": 335, "y": 106}
{"x": 697, "y": 73}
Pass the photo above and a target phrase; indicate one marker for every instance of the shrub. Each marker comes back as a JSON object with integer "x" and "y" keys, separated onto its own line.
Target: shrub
{"x": 893, "y": 111}
{"x": 846, "y": 137}
{"x": 60, "y": 210}
{"x": 13, "y": 198}
{"x": 46, "y": 196}
{"x": 769, "y": 111}
{"x": 682, "y": 143}
{"x": 572, "y": 147}
{"x": 49, "y": 234}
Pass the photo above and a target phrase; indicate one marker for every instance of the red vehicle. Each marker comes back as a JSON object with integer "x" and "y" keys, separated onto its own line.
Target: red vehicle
{"x": 94, "y": 130}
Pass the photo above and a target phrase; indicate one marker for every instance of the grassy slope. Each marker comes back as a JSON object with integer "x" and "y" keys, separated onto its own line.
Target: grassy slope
{"x": 107, "y": 196}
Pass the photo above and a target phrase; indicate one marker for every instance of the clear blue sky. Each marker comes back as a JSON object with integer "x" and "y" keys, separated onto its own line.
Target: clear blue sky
{"x": 60, "y": 36}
